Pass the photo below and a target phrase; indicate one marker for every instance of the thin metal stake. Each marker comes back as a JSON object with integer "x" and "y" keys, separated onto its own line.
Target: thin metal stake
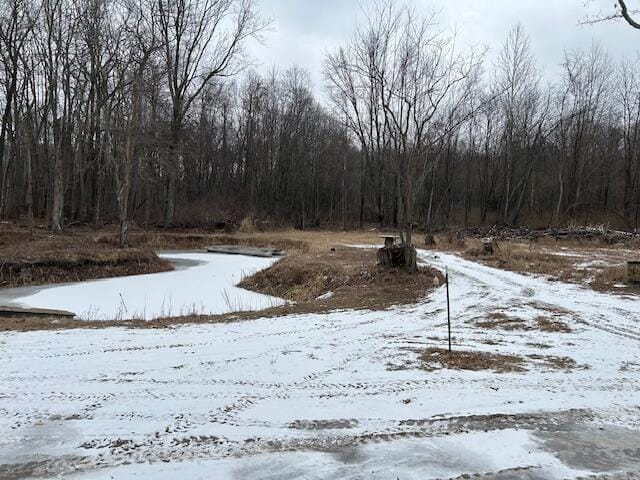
{"x": 448, "y": 307}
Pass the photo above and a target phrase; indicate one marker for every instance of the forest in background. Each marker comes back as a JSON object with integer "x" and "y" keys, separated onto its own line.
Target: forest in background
{"x": 148, "y": 111}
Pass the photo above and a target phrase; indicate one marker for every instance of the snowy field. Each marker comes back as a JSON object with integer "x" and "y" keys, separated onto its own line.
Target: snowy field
{"x": 203, "y": 283}
{"x": 337, "y": 395}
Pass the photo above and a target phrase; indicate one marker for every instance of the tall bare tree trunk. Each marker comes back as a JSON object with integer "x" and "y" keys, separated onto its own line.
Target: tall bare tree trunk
{"x": 29, "y": 177}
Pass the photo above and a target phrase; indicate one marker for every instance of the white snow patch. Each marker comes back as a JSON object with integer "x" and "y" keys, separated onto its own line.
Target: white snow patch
{"x": 325, "y": 296}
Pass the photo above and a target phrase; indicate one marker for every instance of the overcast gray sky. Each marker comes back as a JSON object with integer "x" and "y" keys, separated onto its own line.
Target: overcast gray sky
{"x": 303, "y": 30}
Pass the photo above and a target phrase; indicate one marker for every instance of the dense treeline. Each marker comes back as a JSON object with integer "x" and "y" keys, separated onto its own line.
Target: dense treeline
{"x": 146, "y": 109}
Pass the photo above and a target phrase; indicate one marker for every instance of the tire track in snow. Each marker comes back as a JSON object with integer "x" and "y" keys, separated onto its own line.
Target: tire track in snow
{"x": 203, "y": 399}
{"x": 475, "y": 280}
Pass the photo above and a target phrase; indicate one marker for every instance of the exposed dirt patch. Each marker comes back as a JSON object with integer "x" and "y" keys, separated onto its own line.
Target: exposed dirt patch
{"x": 435, "y": 358}
{"x": 630, "y": 367}
{"x": 546, "y": 324}
{"x": 339, "y": 424}
{"x": 555, "y": 363}
{"x": 491, "y": 341}
{"x": 553, "y": 310}
{"x": 501, "y": 321}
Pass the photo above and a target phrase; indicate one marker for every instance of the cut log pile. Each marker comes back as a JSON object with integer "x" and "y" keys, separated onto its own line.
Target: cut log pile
{"x": 633, "y": 273}
{"x": 579, "y": 233}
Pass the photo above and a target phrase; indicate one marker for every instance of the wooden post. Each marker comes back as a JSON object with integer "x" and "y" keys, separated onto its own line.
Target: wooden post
{"x": 633, "y": 273}
{"x": 389, "y": 242}
{"x": 448, "y": 307}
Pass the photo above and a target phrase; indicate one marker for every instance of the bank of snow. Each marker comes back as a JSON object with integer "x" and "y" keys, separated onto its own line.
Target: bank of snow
{"x": 203, "y": 283}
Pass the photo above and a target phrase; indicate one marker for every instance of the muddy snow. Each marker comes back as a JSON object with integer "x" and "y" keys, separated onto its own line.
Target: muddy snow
{"x": 339, "y": 395}
{"x": 202, "y": 283}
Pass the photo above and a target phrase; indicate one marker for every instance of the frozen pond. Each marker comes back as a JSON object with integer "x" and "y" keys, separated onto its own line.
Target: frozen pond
{"x": 202, "y": 283}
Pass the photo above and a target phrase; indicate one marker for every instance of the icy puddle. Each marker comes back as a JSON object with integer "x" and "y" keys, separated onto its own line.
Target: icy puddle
{"x": 202, "y": 283}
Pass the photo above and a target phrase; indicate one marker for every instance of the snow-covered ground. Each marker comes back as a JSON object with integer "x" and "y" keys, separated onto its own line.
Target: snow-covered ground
{"x": 203, "y": 283}
{"x": 337, "y": 395}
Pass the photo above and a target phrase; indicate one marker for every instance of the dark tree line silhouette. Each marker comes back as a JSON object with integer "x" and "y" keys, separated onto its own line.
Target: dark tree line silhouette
{"x": 148, "y": 111}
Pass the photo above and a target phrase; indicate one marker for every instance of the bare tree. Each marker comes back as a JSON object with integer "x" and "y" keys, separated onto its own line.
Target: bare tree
{"x": 15, "y": 27}
{"x": 56, "y": 40}
{"x": 132, "y": 55}
{"x": 628, "y": 105}
{"x": 424, "y": 87}
{"x": 622, "y": 12}
{"x": 628, "y": 15}
{"x": 202, "y": 40}
{"x": 121, "y": 110}
{"x": 517, "y": 90}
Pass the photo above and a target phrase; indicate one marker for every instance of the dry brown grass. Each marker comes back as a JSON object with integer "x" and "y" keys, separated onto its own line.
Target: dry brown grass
{"x": 349, "y": 275}
{"x": 82, "y": 254}
{"x": 607, "y": 276}
{"x": 247, "y": 225}
{"x": 501, "y": 321}
{"x": 435, "y": 358}
{"x": 199, "y": 241}
{"x": 521, "y": 257}
{"x": 321, "y": 242}
{"x": 557, "y": 260}
{"x": 555, "y": 363}
{"x": 498, "y": 320}
{"x": 29, "y": 324}
{"x": 292, "y": 241}
{"x": 446, "y": 241}
{"x": 40, "y": 258}
{"x": 79, "y": 266}
{"x": 546, "y": 324}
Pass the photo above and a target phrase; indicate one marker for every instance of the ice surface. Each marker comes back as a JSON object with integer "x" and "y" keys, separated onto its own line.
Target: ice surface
{"x": 205, "y": 285}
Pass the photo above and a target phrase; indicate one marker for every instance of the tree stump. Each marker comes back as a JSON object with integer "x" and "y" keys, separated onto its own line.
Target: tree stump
{"x": 488, "y": 248}
{"x": 398, "y": 257}
{"x": 395, "y": 256}
{"x": 429, "y": 240}
{"x": 391, "y": 257}
{"x": 633, "y": 273}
